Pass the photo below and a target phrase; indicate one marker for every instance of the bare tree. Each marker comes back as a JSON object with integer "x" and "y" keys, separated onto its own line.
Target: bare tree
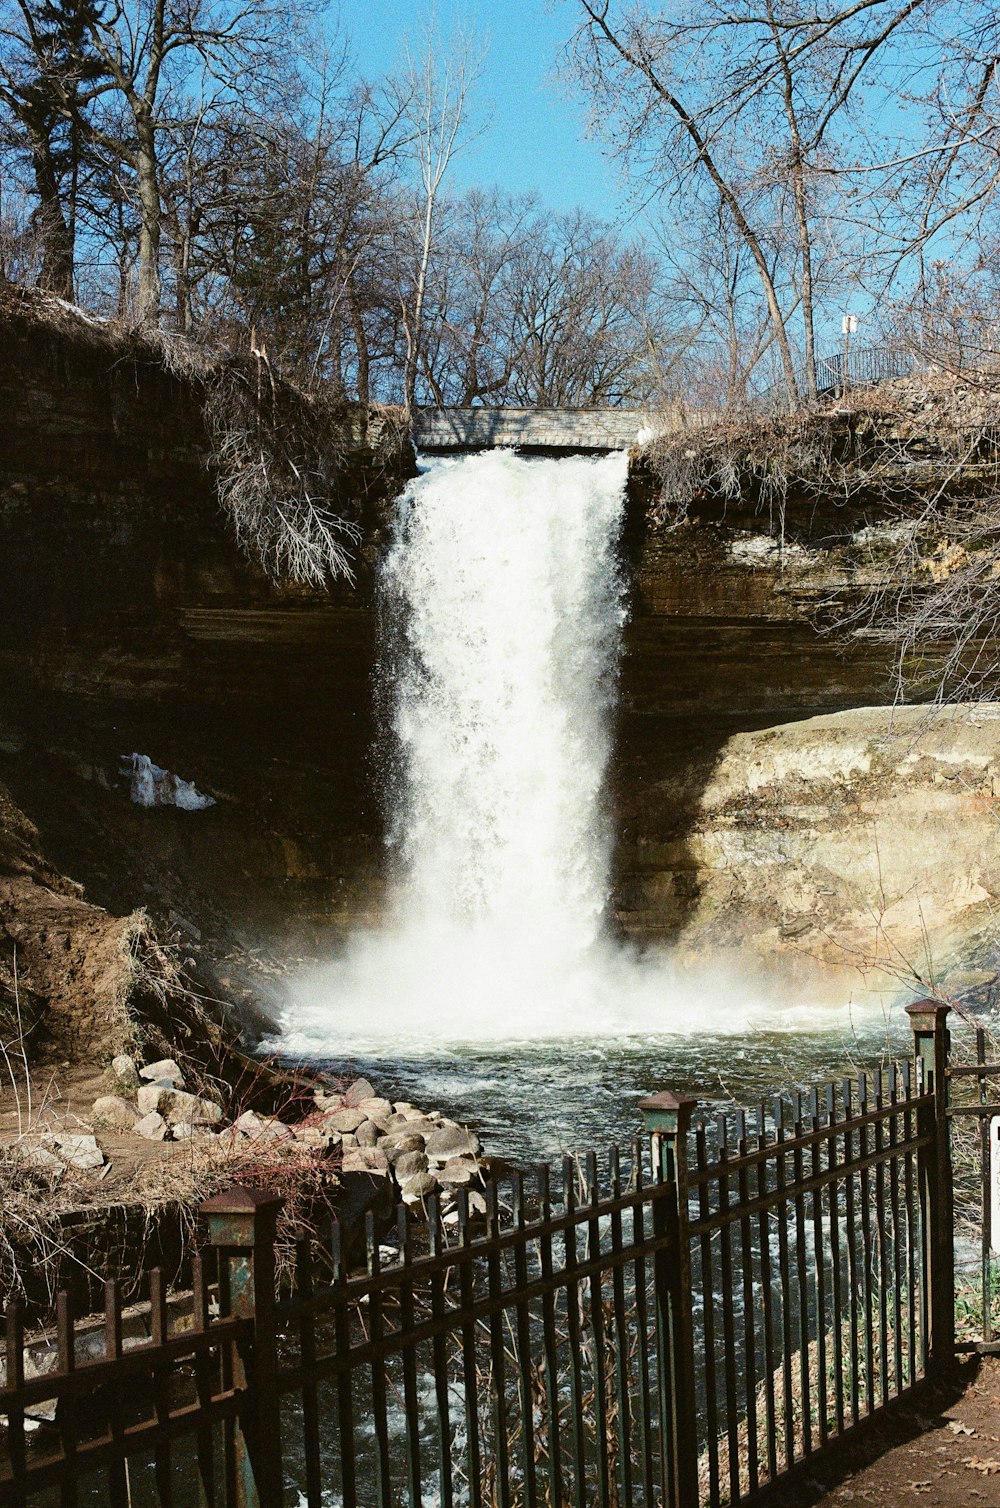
{"x": 755, "y": 104}
{"x": 438, "y": 85}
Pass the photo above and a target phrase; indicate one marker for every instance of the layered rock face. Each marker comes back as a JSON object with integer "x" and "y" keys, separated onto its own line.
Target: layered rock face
{"x": 130, "y": 621}
{"x": 866, "y": 841}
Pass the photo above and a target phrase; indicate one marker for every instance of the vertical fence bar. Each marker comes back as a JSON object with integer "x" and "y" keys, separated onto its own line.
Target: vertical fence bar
{"x": 897, "y": 1252}
{"x": 597, "y": 1335}
{"x": 912, "y": 1235}
{"x": 929, "y": 1022}
{"x": 15, "y": 1409}
{"x": 819, "y": 1260}
{"x": 241, "y": 1225}
{"x": 549, "y": 1337}
{"x": 376, "y": 1327}
{"x": 668, "y": 1119}
{"x": 440, "y": 1352}
{"x": 573, "y": 1330}
{"x": 414, "y": 1470}
{"x": 118, "y": 1493}
{"x": 767, "y": 1297}
{"x": 158, "y": 1324}
{"x": 466, "y": 1277}
{"x": 836, "y": 1272}
{"x": 867, "y": 1251}
{"x": 205, "y": 1443}
{"x": 784, "y": 1273}
{"x": 851, "y": 1235}
{"x": 66, "y": 1412}
{"x": 749, "y": 1319}
{"x": 644, "y": 1410}
{"x": 622, "y": 1367}
{"x": 307, "y": 1353}
{"x": 522, "y": 1330}
{"x": 727, "y": 1292}
{"x": 708, "y": 1321}
{"x": 801, "y": 1274}
{"x": 984, "y": 1163}
{"x": 881, "y": 1242}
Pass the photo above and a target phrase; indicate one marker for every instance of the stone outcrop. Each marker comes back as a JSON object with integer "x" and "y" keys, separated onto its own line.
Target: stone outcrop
{"x": 860, "y": 840}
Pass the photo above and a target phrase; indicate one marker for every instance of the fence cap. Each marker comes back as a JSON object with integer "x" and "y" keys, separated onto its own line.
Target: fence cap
{"x": 677, "y": 1107}
{"x": 240, "y": 1200}
{"x": 919, "y": 1010}
{"x": 667, "y": 1100}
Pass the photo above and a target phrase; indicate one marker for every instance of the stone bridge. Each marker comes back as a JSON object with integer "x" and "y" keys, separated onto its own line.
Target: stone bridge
{"x": 548, "y": 431}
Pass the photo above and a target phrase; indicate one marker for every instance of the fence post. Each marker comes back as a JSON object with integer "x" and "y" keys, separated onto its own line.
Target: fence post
{"x": 241, "y": 1226}
{"x": 667, "y": 1118}
{"x": 931, "y": 1040}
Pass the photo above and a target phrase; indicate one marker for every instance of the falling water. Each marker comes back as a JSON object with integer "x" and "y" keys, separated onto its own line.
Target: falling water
{"x": 506, "y": 603}
{"x": 503, "y": 602}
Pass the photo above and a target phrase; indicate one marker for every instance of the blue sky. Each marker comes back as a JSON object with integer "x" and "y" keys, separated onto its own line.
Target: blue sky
{"x": 536, "y": 132}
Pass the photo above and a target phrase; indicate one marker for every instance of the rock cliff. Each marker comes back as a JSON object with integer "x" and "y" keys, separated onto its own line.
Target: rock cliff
{"x": 130, "y": 620}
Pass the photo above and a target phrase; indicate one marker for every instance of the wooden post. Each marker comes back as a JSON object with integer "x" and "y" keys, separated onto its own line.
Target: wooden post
{"x": 241, "y": 1226}
{"x": 667, "y": 1117}
{"x": 931, "y": 1039}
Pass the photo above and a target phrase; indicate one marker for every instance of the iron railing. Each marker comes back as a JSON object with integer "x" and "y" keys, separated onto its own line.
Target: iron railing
{"x": 678, "y": 1324}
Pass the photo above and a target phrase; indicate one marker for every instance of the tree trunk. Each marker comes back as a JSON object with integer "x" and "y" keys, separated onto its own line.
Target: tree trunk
{"x": 50, "y": 219}
{"x": 361, "y": 344}
{"x": 149, "y": 218}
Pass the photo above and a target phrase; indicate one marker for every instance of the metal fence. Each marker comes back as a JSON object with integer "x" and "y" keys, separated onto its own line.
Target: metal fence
{"x": 678, "y": 1324}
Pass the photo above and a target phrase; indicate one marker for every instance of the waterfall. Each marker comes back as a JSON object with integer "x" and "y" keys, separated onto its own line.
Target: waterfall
{"x": 504, "y": 606}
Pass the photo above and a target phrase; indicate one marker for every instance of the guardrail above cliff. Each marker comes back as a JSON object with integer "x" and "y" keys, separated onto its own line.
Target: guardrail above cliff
{"x": 547, "y": 430}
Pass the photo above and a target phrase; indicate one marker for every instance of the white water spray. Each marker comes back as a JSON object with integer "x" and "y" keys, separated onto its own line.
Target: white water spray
{"x": 503, "y": 601}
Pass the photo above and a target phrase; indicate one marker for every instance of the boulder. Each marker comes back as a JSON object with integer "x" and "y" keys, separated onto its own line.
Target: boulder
{"x": 348, "y": 1140}
{"x": 325, "y": 1101}
{"x": 358, "y": 1091}
{"x": 365, "y": 1160}
{"x": 315, "y": 1139}
{"x": 165, "y": 1071}
{"x": 152, "y": 1126}
{"x": 345, "y": 1120}
{"x": 177, "y": 1105}
{"x": 408, "y": 1165}
{"x": 458, "y": 1171}
{"x": 451, "y": 1141}
{"x": 148, "y": 1098}
{"x": 42, "y": 1159}
{"x": 125, "y": 1074}
{"x": 367, "y": 1134}
{"x": 78, "y": 1151}
{"x": 375, "y": 1107}
{"x": 396, "y": 1146}
{"x": 416, "y": 1189}
{"x": 401, "y": 1107}
{"x": 115, "y": 1113}
{"x": 412, "y": 1125}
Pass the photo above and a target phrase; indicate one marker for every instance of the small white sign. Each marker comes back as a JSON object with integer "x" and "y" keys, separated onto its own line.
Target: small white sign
{"x": 849, "y": 324}
{"x": 995, "y": 1185}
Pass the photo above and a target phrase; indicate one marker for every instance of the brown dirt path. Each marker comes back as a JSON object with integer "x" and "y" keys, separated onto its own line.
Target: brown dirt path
{"x": 943, "y": 1452}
